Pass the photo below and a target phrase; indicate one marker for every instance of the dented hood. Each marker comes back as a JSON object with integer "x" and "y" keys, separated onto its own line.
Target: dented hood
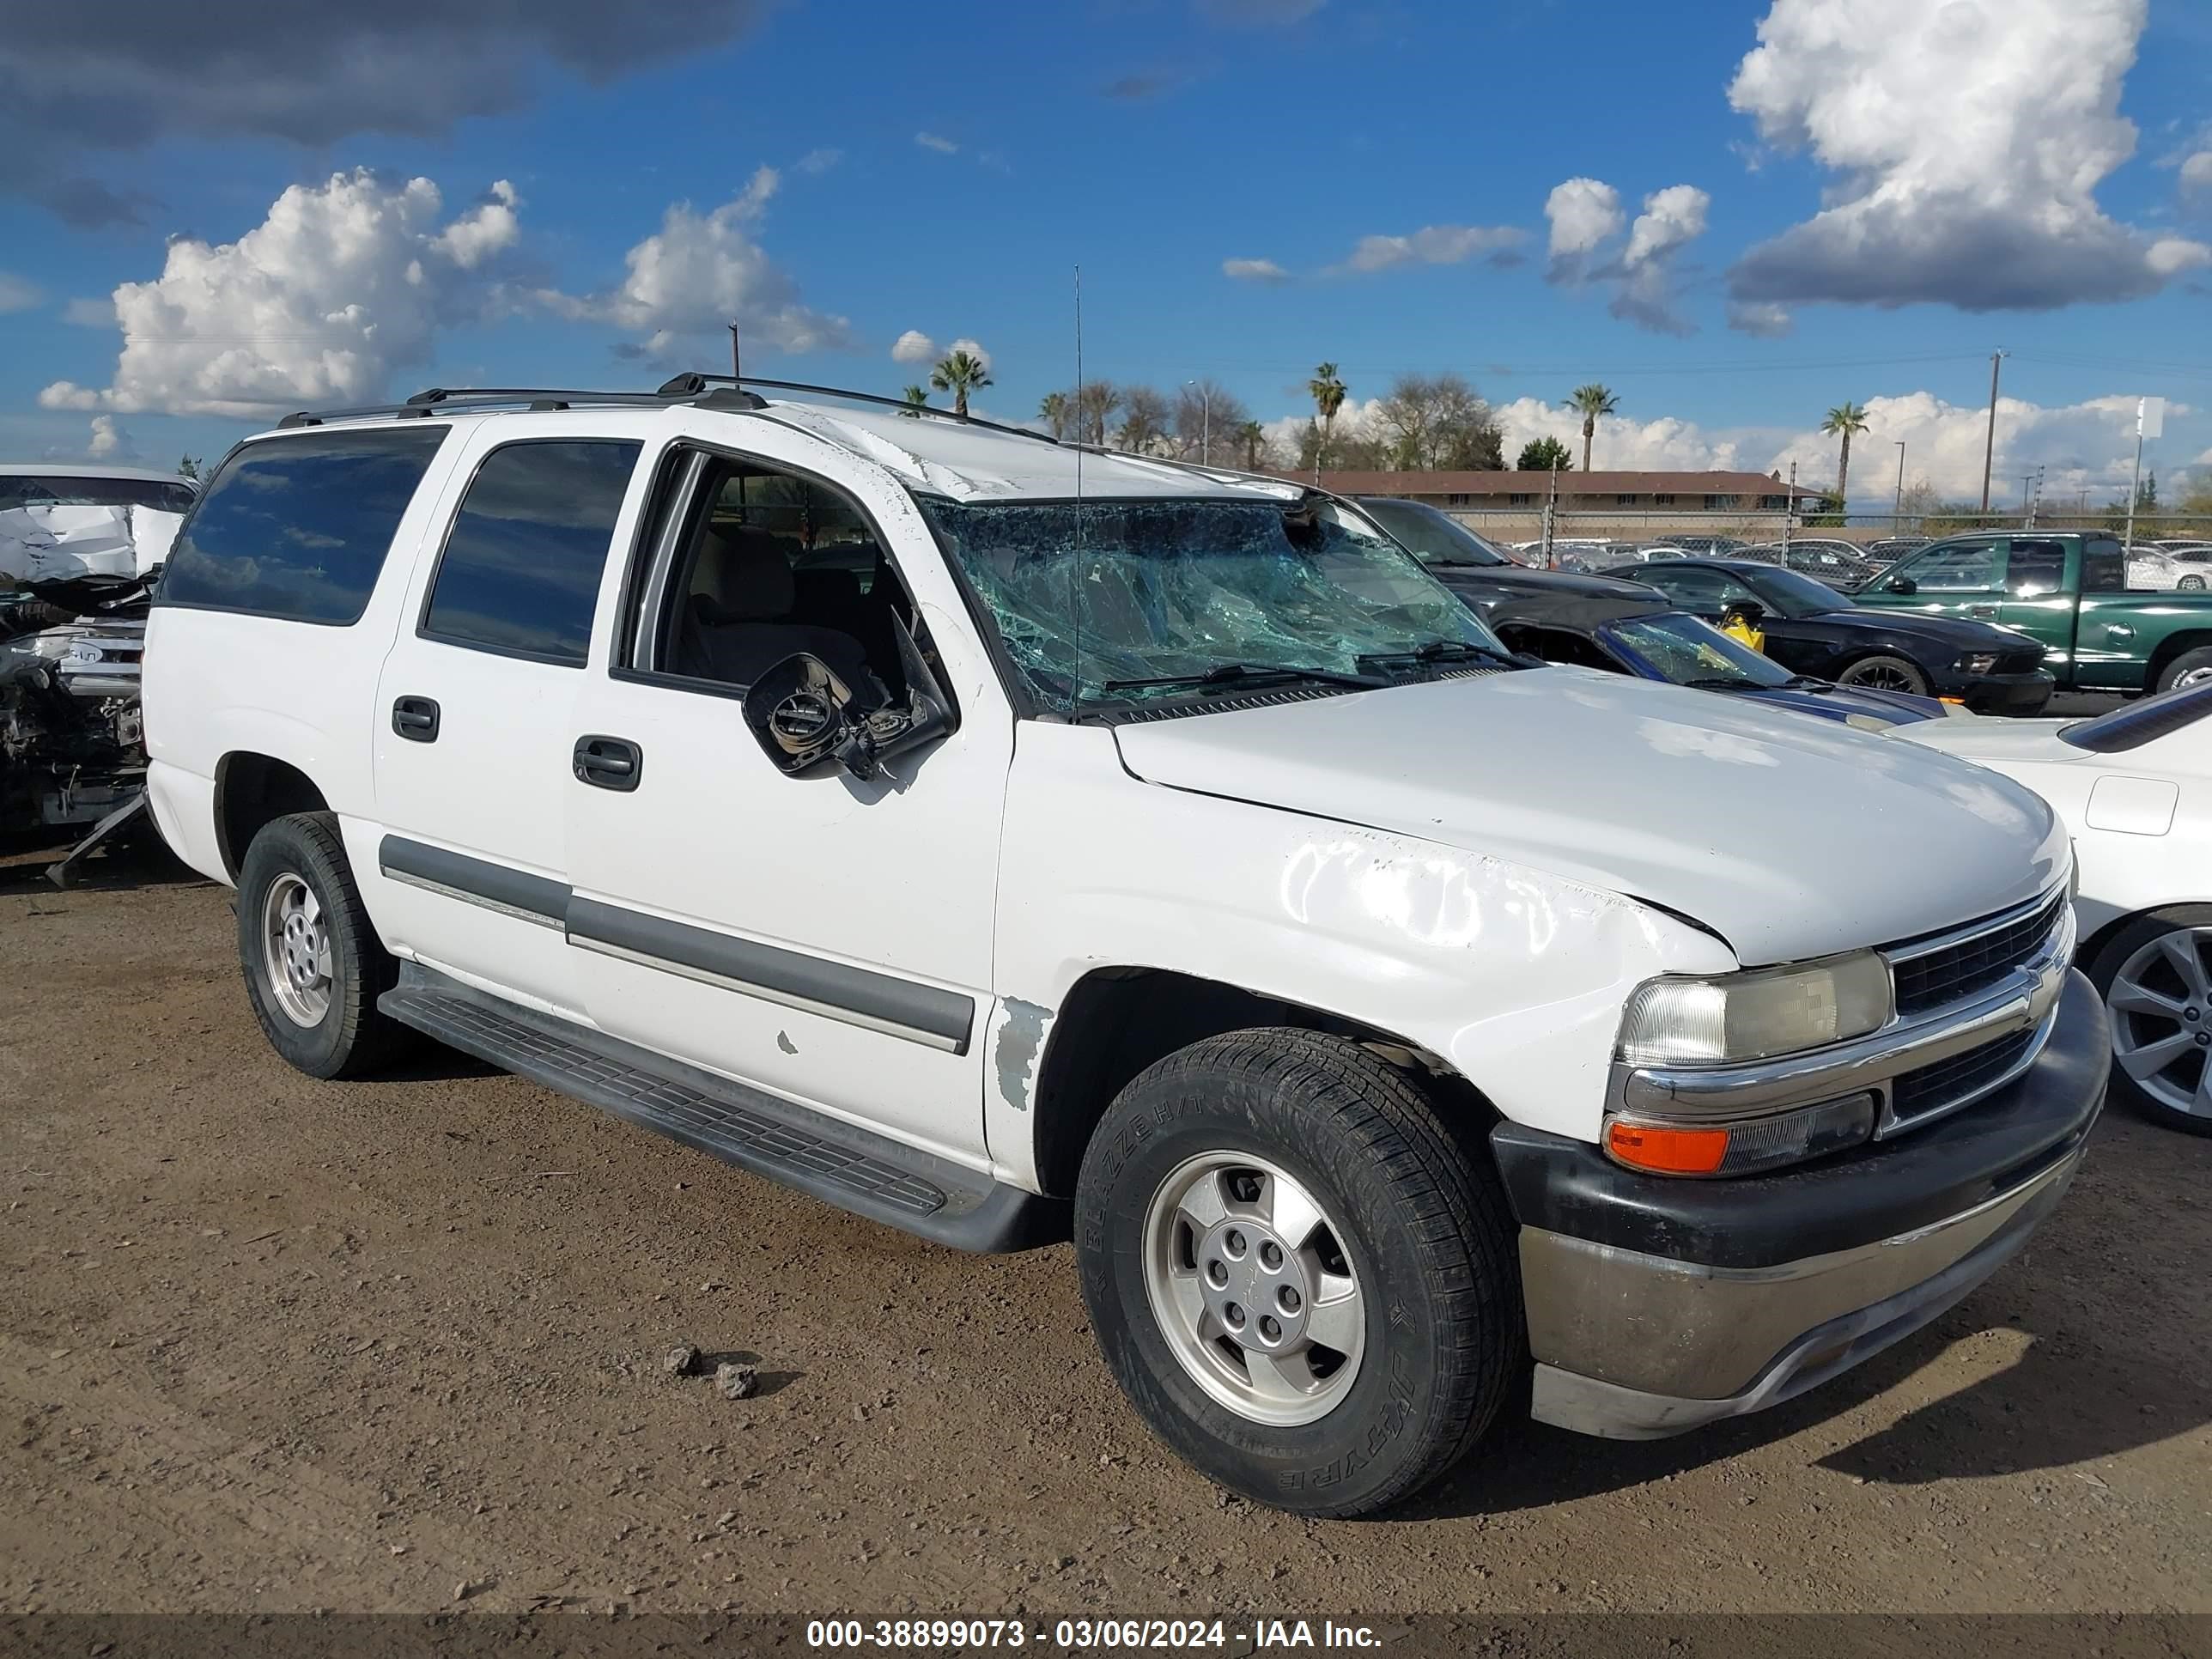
{"x": 1790, "y": 837}
{"x": 64, "y": 542}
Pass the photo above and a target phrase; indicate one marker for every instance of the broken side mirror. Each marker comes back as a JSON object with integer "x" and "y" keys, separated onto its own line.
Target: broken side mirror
{"x": 801, "y": 714}
{"x": 1902, "y": 585}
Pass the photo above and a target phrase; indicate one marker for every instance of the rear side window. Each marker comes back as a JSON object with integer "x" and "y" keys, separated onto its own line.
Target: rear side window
{"x": 297, "y": 528}
{"x": 521, "y": 568}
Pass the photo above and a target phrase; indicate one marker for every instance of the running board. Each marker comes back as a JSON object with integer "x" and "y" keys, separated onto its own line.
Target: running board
{"x": 868, "y": 1174}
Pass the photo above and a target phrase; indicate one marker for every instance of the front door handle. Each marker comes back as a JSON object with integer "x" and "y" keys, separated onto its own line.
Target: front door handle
{"x": 1981, "y": 611}
{"x": 416, "y": 718}
{"x": 609, "y": 762}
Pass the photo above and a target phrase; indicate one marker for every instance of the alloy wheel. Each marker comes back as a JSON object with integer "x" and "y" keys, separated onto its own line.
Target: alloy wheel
{"x": 1249, "y": 1280}
{"x": 2160, "y": 1004}
{"x": 295, "y": 945}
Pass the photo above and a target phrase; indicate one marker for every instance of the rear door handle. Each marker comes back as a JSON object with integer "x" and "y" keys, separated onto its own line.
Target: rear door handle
{"x": 609, "y": 762}
{"x": 1981, "y": 611}
{"x": 416, "y": 718}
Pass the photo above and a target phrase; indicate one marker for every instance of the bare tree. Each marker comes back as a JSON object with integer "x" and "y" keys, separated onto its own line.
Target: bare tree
{"x": 1206, "y": 417}
{"x": 1430, "y": 421}
{"x": 1146, "y": 417}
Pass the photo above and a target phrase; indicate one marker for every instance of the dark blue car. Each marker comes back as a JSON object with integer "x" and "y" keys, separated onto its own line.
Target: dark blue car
{"x": 1647, "y": 637}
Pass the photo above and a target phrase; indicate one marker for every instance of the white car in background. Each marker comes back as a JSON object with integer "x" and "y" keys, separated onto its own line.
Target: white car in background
{"x": 2135, "y": 788}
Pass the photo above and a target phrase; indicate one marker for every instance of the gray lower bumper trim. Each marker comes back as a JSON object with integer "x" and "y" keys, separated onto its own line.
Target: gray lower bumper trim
{"x": 1570, "y": 1399}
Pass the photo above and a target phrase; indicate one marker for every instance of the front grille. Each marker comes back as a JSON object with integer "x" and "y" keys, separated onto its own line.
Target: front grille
{"x": 1947, "y": 1082}
{"x": 1957, "y": 970}
{"x": 2019, "y": 662}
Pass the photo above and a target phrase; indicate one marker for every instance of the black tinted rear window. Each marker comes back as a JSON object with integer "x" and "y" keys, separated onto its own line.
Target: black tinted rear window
{"x": 521, "y": 567}
{"x": 298, "y": 527}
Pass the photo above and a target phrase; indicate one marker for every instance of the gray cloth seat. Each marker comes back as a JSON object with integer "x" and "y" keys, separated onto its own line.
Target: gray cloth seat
{"x": 736, "y": 620}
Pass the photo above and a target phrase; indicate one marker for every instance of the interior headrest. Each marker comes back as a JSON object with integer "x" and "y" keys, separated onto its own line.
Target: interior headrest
{"x": 745, "y": 573}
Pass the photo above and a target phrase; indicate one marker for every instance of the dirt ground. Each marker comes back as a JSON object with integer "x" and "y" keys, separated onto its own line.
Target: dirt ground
{"x": 272, "y": 1345}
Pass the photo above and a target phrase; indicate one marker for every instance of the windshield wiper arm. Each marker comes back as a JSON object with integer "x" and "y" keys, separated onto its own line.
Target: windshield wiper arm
{"x": 1228, "y": 673}
{"x": 1442, "y": 651}
{"x": 1719, "y": 682}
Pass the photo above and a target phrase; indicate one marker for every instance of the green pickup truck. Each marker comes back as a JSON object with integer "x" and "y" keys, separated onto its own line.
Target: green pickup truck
{"x": 2069, "y": 591}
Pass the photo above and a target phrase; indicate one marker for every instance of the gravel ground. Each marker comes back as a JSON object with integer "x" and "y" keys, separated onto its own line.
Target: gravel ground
{"x": 273, "y": 1344}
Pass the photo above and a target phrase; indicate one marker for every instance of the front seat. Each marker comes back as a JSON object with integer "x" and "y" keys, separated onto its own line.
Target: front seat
{"x": 735, "y": 624}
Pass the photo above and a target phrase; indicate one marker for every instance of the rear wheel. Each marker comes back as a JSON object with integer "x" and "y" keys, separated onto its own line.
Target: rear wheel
{"x": 313, "y": 966}
{"x": 2156, "y": 977}
{"x": 1303, "y": 1283}
{"x": 2193, "y": 667}
{"x": 2191, "y": 584}
{"x": 1885, "y": 673}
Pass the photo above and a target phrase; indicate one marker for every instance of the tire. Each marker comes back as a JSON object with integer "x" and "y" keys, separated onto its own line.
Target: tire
{"x": 1886, "y": 673}
{"x": 1434, "y": 1337}
{"x": 2191, "y": 584}
{"x": 333, "y": 1029}
{"x": 2177, "y": 1095}
{"x": 2192, "y": 667}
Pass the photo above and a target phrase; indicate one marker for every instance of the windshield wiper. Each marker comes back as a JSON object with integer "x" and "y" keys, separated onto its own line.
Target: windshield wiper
{"x": 1807, "y": 682}
{"x": 1238, "y": 673}
{"x": 1719, "y": 682}
{"x": 1442, "y": 651}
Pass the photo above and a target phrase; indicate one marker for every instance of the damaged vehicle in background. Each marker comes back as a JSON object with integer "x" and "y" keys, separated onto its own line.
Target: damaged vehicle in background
{"x": 80, "y": 547}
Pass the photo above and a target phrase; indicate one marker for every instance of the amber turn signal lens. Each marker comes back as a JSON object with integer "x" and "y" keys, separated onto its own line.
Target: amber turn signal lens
{"x": 1667, "y": 1151}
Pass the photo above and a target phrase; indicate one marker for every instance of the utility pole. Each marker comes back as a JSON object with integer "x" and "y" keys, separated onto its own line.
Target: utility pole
{"x": 2150, "y": 420}
{"x": 1989, "y": 444}
{"x": 1897, "y": 513}
{"x": 1788, "y": 512}
{"x": 2026, "y": 508}
{"x": 1550, "y": 513}
{"x": 1205, "y": 422}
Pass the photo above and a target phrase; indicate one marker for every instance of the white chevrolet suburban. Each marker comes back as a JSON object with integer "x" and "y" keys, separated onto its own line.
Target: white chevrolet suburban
{"x": 1005, "y": 840}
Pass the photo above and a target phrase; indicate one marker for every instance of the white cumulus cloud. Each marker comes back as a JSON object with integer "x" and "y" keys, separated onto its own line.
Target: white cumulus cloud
{"x": 973, "y": 347}
{"x": 1254, "y": 270}
{"x": 1671, "y": 217}
{"x": 1623, "y": 444}
{"x": 109, "y": 442}
{"x": 1965, "y": 169}
{"x": 914, "y": 347}
{"x": 1585, "y": 215}
{"x": 342, "y": 282}
{"x": 689, "y": 280}
{"x": 2197, "y": 171}
{"x": 1433, "y": 245}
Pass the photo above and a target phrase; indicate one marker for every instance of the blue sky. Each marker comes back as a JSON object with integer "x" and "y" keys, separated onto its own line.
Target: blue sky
{"x": 943, "y": 169}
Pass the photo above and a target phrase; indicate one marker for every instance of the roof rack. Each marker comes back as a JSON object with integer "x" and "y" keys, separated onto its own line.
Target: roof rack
{"x": 691, "y": 383}
{"x": 461, "y": 400}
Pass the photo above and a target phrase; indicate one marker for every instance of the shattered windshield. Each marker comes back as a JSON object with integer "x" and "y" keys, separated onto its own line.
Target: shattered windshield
{"x": 1090, "y": 598}
{"x": 64, "y": 490}
{"x": 1690, "y": 651}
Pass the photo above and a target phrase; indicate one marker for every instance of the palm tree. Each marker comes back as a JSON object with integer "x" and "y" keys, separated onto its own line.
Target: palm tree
{"x": 1327, "y": 390}
{"x": 917, "y": 400}
{"x": 1058, "y": 412}
{"x": 960, "y": 374}
{"x": 1845, "y": 419}
{"x": 1254, "y": 437}
{"x": 1591, "y": 401}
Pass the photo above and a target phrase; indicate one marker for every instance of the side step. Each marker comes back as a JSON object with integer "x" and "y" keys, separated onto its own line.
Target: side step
{"x": 870, "y": 1175}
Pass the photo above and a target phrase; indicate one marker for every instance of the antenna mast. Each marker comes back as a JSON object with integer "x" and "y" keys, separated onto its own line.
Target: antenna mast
{"x": 1075, "y": 567}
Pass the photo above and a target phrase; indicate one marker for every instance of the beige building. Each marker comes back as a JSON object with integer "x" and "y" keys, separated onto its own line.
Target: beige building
{"x": 1672, "y": 494}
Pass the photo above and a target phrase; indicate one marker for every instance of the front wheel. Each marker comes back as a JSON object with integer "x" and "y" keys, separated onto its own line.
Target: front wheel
{"x": 2156, "y": 977}
{"x": 313, "y": 965}
{"x": 1303, "y": 1282}
{"x": 2191, "y": 584}
{"x": 1885, "y": 673}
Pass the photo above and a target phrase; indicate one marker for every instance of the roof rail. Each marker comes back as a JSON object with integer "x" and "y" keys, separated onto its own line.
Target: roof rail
{"x": 690, "y": 383}
{"x": 461, "y": 400}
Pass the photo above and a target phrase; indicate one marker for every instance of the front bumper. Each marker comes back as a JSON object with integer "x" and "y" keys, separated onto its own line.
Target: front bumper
{"x": 2020, "y": 696}
{"x": 1655, "y": 1305}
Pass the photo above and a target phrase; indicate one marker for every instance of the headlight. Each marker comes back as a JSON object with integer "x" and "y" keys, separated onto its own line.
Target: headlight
{"x": 1751, "y": 1016}
{"x": 1978, "y": 662}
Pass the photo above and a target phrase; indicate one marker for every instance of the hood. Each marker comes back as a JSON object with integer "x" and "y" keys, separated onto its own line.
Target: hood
{"x": 1862, "y": 707}
{"x": 1789, "y": 838}
{"x": 1485, "y": 585}
{"x": 63, "y": 542}
{"x": 1959, "y": 633}
{"x": 2000, "y": 740}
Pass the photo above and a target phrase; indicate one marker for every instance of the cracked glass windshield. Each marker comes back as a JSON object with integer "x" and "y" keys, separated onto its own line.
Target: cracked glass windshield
{"x": 1117, "y": 601}
{"x": 1691, "y": 652}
